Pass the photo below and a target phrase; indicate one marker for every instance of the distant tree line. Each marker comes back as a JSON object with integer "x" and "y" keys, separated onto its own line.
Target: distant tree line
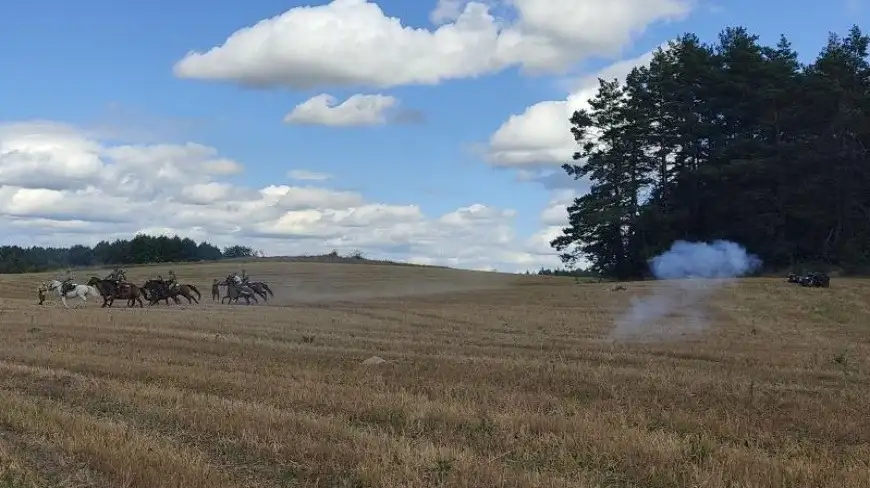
{"x": 734, "y": 140}
{"x": 141, "y": 249}
{"x": 578, "y": 272}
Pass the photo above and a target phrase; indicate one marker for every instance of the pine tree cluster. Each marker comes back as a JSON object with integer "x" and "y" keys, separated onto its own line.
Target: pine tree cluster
{"x": 732, "y": 140}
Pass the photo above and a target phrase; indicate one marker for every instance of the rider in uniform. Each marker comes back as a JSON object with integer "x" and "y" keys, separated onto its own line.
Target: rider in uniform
{"x": 117, "y": 275}
{"x": 67, "y": 283}
{"x": 42, "y": 292}
{"x": 172, "y": 281}
{"x": 245, "y": 277}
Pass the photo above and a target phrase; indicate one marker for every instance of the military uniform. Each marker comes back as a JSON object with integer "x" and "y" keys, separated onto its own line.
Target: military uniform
{"x": 41, "y": 293}
{"x": 67, "y": 283}
{"x": 172, "y": 282}
{"x": 244, "y": 277}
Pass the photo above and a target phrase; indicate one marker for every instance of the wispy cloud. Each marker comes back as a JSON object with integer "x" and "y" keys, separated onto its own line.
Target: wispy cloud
{"x": 305, "y": 175}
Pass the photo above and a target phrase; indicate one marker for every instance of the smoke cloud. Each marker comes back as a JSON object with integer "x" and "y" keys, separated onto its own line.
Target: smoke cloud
{"x": 692, "y": 271}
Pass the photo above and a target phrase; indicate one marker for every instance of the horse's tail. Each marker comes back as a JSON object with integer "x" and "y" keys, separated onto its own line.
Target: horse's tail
{"x": 93, "y": 291}
{"x": 269, "y": 290}
{"x": 195, "y": 290}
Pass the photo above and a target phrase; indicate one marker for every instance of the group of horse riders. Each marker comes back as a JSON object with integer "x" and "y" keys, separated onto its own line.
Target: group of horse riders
{"x": 238, "y": 279}
{"x": 118, "y": 275}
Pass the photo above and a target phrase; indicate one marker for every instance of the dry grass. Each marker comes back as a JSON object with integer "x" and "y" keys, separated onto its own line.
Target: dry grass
{"x": 491, "y": 380}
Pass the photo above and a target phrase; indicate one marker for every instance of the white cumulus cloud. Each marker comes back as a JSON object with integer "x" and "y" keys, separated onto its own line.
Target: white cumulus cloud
{"x": 357, "y": 110}
{"x": 61, "y": 186}
{"x": 541, "y": 135}
{"x": 353, "y": 43}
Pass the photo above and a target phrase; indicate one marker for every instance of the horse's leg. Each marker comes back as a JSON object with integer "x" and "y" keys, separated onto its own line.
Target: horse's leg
{"x": 63, "y": 299}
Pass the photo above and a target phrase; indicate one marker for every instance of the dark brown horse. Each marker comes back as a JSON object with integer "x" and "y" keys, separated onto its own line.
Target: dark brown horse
{"x": 152, "y": 290}
{"x": 159, "y": 290}
{"x": 111, "y": 289}
{"x": 261, "y": 289}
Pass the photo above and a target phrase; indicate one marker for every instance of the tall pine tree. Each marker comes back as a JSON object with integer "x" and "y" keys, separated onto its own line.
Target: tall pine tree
{"x": 605, "y": 219}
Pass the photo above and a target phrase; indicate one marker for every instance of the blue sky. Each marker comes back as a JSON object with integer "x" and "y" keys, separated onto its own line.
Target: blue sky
{"x": 106, "y": 73}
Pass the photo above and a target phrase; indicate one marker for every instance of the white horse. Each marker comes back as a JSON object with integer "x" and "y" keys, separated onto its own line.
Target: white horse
{"x": 78, "y": 291}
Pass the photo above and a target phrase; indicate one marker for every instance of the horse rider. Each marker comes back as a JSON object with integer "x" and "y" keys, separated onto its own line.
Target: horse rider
{"x": 172, "y": 281}
{"x": 117, "y": 275}
{"x": 67, "y": 283}
{"x": 245, "y": 276}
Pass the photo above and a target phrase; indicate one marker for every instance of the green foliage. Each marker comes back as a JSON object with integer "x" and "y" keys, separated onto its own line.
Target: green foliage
{"x": 733, "y": 140}
{"x": 583, "y": 273}
{"x": 239, "y": 252}
{"x": 139, "y": 250}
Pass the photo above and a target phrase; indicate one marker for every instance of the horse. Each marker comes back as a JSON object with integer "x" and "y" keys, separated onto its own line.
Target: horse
{"x": 82, "y": 292}
{"x": 258, "y": 287}
{"x": 110, "y": 290}
{"x": 153, "y": 291}
{"x": 261, "y": 289}
{"x": 158, "y": 290}
{"x": 215, "y": 290}
{"x": 191, "y": 288}
{"x": 234, "y": 292}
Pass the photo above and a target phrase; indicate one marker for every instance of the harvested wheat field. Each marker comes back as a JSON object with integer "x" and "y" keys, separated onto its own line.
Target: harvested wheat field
{"x": 488, "y": 380}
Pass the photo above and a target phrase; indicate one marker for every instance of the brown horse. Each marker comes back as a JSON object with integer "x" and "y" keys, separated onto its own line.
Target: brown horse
{"x": 261, "y": 289}
{"x": 111, "y": 289}
{"x": 159, "y": 290}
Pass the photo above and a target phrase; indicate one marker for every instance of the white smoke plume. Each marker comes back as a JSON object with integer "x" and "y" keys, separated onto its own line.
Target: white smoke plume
{"x": 691, "y": 270}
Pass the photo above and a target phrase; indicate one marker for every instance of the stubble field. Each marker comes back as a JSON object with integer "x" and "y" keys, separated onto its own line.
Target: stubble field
{"x": 490, "y": 381}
